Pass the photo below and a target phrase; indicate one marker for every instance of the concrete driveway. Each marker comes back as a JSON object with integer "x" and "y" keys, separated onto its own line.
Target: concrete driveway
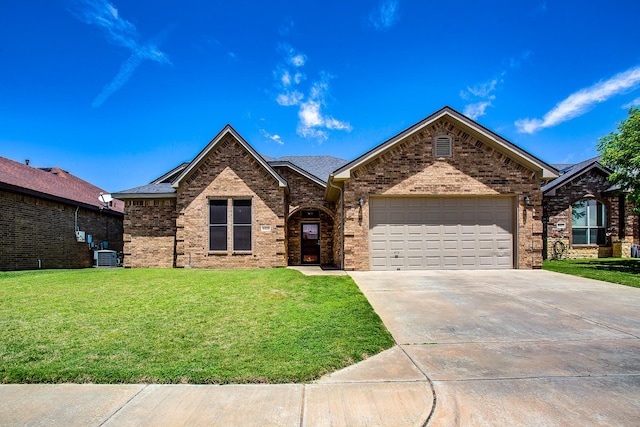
{"x": 516, "y": 347}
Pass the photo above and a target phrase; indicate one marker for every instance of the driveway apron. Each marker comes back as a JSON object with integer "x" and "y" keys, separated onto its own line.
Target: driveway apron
{"x": 516, "y": 347}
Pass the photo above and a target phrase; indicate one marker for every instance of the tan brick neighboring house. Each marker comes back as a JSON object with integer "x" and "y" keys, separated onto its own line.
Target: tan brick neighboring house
{"x": 586, "y": 217}
{"x": 445, "y": 193}
{"x": 40, "y": 211}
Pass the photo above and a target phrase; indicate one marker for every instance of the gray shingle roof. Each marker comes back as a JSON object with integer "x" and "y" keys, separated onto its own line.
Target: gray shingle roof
{"x": 319, "y": 166}
{"x": 572, "y": 171}
{"x": 149, "y": 189}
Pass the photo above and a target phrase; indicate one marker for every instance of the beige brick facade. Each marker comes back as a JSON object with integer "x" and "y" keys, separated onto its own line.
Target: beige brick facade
{"x": 475, "y": 169}
{"x": 621, "y": 223}
{"x": 150, "y": 233}
{"x": 230, "y": 172}
{"x": 307, "y": 195}
{"x": 283, "y": 197}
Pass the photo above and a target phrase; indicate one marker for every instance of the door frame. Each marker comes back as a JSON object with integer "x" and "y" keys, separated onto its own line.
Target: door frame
{"x": 302, "y": 240}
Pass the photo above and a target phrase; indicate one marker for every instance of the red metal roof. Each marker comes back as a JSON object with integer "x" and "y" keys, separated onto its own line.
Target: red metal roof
{"x": 53, "y": 182}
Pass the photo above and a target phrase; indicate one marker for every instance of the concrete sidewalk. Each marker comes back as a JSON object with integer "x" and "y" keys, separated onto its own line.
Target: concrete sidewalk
{"x": 385, "y": 390}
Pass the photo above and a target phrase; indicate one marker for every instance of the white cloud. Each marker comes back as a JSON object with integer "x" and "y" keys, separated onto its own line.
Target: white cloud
{"x": 313, "y": 122}
{"x": 297, "y": 60}
{"x": 385, "y": 15}
{"x": 634, "y": 103}
{"x": 275, "y": 137}
{"x": 292, "y": 56}
{"x": 290, "y": 98}
{"x": 119, "y": 32}
{"x": 310, "y": 115}
{"x": 483, "y": 90}
{"x": 482, "y": 94}
{"x": 286, "y": 78}
{"x": 312, "y": 119}
{"x": 582, "y": 101}
{"x": 477, "y": 109}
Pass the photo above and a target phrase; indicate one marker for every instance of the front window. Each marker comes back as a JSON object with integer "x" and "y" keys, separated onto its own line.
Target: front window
{"x": 588, "y": 223}
{"x": 242, "y": 225}
{"x": 238, "y": 227}
{"x": 217, "y": 225}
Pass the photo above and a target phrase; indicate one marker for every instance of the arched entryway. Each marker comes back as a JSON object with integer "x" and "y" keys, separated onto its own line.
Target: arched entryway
{"x": 310, "y": 236}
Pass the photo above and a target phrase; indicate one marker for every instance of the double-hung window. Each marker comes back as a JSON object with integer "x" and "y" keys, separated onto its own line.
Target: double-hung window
{"x": 217, "y": 225}
{"x": 242, "y": 225}
{"x": 588, "y": 222}
{"x": 239, "y": 227}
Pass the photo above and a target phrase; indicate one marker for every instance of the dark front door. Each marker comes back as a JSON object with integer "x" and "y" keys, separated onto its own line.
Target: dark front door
{"x": 311, "y": 243}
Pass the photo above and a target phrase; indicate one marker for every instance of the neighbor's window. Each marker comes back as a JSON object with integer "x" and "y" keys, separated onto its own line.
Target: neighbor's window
{"x": 442, "y": 146}
{"x": 588, "y": 222}
{"x": 242, "y": 225}
{"x": 217, "y": 225}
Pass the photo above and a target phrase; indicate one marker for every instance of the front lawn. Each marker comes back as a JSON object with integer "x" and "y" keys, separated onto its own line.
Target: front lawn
{"x": 625, "y": 271}
{"x": 181, "y": 326}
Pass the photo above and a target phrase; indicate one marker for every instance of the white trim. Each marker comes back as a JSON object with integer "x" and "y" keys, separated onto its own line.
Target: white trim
{"x": 228, "y": 130}
{"x": 547, "y": 171}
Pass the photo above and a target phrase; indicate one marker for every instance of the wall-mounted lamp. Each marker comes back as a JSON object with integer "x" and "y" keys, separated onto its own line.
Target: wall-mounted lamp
{"x": 527, "y": 201}
{"x": 361, "y": 202}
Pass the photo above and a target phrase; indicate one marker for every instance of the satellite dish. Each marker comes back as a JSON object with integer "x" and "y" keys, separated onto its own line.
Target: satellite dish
{"x": 105, "y": 198}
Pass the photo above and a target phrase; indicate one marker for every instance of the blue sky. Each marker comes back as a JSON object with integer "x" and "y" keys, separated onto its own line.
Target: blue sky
{"x": 119, "y": 92}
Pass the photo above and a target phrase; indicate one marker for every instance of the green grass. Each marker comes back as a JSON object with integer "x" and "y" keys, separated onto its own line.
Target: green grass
{"x": 624, "y": 271}
{"x": 181, "y": 326}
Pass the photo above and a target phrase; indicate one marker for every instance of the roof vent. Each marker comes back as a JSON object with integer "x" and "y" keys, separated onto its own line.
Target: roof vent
{"x": 443, "y": 146}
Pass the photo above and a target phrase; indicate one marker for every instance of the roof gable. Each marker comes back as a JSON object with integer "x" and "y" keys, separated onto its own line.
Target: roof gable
{"x": 493, "y": 139}
{"x": 52, "y": 183}
{"x": 171, "y": 175}
{"x": 228, "y": 130}
{"x": 299, "y": 170}
{"x": 316, "y": 168}
{"x": 573, "y": 172}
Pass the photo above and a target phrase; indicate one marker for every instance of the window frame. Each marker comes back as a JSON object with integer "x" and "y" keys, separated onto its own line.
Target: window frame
{"x": 238, "y": 228}
{"x": 588, "y": 228}
{"x": 221, "y": 225}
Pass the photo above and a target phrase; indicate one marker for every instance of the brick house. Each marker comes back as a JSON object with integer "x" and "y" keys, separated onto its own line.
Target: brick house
{"x": 40, "y": 211}
{"x": 586, "y": 217}
{"x": 444, "y": 193}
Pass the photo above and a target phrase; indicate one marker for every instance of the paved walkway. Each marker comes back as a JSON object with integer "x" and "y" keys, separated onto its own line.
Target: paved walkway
{"x": 385, "y": 390}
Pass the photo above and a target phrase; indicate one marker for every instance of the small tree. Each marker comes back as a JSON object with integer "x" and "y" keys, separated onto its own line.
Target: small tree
{"x": 621, "y": 153}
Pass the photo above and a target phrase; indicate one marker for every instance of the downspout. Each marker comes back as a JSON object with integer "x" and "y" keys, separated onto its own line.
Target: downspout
{"x": 330, "y": 182}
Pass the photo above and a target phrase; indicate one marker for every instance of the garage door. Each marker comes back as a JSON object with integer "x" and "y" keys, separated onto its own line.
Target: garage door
{"x": 441, "y": 233}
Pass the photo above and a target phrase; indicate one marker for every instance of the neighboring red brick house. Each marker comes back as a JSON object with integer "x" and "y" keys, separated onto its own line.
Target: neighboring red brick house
{"x": 40, "y": 211}
{"x": 585, "y": 217}
{"x": 445, "y": 193}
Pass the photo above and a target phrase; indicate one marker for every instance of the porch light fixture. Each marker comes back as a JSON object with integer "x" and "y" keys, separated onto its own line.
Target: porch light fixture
{"x": 361, "y": 202}
{"x": 527, "y": 200}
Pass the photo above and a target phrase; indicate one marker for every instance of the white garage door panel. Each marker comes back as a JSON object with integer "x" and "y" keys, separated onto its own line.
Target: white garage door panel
{"x": 450, "y": 233}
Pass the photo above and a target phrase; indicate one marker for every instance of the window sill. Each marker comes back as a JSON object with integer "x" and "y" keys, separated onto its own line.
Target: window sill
{"x": 227, "y": 253}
